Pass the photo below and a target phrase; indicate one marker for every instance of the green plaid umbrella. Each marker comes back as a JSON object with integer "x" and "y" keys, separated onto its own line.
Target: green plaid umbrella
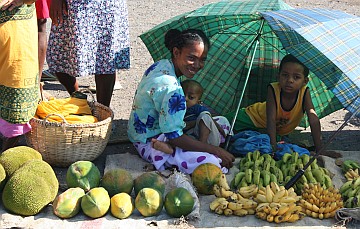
{"x": 244, "y": 56}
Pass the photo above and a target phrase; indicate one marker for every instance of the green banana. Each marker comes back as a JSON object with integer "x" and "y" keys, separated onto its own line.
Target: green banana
{"x": 266, "y": 165}
{"x": 314, "y": 164}
{"x": 261, "y": 159}
{"x": 352, "y": 192}
{"x": 272, "y": 162}
{"x": 356, "y": 182}
{"x": 318, "y": 174}
{"x": 286, "y": 157}
{"x": 238, "y": 178}
{"x": 255, "y": 155}
{"x": 273, "y": 178}
{"x": 257, "y": 165}
{"x": 284, "y": 169}
{"x": 287, "y": 179}
{"x": 327, "y": 181}
{"x": 349, "y": 203}
{"x": 292, "y": 171}
{"x": 267, "y": 157}
{"x": 310, "y": 177}
{"x": 248, "y": 175}
{"x": 349, "y": 164}
{"x": 243, "y": 183}
{"x": 248, "y": 164}
{"x": 265, "y": 174}
{"x": 256, "y": 176}
{"x": 294, "y": 157}
{"x": 242, "y": 162}
{"x": 305, "y": 159}
{"x": 249, "y": 156}
{"x": 347, "y": 185}
{"x": 261, "y": 182}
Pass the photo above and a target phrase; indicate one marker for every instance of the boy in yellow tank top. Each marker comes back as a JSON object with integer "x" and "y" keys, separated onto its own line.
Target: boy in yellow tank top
{"x": 287, "y": 101}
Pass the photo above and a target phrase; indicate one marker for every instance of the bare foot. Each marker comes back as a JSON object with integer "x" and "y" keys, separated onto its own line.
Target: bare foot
{"x": 162, "y": 146}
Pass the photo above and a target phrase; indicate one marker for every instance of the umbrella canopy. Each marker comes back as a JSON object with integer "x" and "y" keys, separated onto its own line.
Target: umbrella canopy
{"x": 245, "y": 53}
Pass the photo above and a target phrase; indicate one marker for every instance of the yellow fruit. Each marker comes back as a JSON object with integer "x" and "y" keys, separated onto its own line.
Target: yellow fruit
{"x": 149, "y": 202}
{"x": 121, "y": 205}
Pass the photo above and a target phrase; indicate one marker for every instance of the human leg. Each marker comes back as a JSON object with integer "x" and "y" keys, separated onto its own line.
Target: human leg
{"x": 104, "y": 88}
{"x": 69, "y": 82}
{"x": 204, "y": 132}
{"x": 9, "y": 143}
{"x": 42, "y": 39}
{"x": 162, "y": 146}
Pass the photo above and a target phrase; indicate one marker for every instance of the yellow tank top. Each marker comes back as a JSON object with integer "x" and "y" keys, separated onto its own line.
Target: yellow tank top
{"x": 286, "y": 121}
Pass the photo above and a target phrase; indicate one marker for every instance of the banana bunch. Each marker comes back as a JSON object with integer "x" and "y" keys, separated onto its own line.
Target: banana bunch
{"x": 276, "y": 204}
{"x": 352, "y": 174}
{"x": 350, "y": 192}
{"x": 349, "y": 164}
{"x": 228, "y": 202}
{"x": 291, "y": 163}
{"x": 257, "y": 169}
{"x": 321, "y": 203}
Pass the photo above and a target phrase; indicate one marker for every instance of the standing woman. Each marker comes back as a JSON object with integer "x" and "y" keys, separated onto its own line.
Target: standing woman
{"x": 19, "y": 84}
{"x": 159, "y": 108}
{"x": 89, "y": 38}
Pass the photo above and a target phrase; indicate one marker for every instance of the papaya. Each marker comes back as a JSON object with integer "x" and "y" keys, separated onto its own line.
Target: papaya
{"x": 149, "y": 202}
{"x": 121, "y": 205}
{"x": 149, "y": 180}
{"x": 117, "y": 181}
{"x": 204, "y": 177}
{"x": 67, "y": 204}
{"x": 96, "y": 202}
{"x": 83, "y": 174}
{"x": 178, "y": 202}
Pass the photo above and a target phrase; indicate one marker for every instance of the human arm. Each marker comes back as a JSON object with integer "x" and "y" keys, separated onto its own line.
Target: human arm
{"x": 190, "y": 124}
{"x": 58, "y": 9}
{"x": 313, "y": 120}
{"x": 271, "y": 117}
{"x": 12, "y": 4}
{"x": 187, "y": 143}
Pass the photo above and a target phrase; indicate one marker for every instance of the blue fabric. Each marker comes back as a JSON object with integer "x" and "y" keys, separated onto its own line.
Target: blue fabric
{"x": 193, "y": 112}
{"x": 249, "y": 141}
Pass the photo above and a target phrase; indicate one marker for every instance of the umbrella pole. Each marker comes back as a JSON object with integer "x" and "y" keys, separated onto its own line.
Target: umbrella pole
{"x": 256, "y": 41}
{"x": 301, "y": 172}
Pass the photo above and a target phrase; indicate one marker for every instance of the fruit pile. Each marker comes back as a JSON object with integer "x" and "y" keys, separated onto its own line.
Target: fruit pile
{"x": 96, "y": 195}
{"x": 263, "y": 169}
{"x": 350, "y": 192}
{"x": 277, "y": 204}
{"x": 321, "y": 203}
{"x": 233, "y": 203}
{"x": 350, "y": 169}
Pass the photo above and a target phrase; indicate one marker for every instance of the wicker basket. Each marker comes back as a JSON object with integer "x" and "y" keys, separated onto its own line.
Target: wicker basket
{"x": 61, "y": 144}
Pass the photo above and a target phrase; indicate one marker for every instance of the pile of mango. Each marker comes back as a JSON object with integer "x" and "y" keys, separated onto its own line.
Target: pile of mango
{"x": 259, "y": 169}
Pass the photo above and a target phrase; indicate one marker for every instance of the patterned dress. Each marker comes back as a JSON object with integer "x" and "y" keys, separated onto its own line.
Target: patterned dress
{"x": 158, "y": 111}
{"x": 93, "y": 39}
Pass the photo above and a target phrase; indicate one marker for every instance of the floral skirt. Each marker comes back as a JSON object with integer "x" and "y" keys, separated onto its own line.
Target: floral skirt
{"x": 93, "y": 39}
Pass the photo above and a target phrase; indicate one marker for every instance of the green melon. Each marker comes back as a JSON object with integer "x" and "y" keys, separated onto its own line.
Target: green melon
{"x": 96, "y": 202}
{"x": 83, "y": 174}
{"x": 149, "y": 180}
{"x": 204, "y": 177}
{"x": 117, "y": 181}
{"x": 67, "y": 204}
{"x": 149, "y": 202}
{"x": 178, "y": 202}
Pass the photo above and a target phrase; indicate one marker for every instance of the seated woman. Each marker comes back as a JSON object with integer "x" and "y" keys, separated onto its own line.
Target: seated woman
{"x": 159, "y": 108}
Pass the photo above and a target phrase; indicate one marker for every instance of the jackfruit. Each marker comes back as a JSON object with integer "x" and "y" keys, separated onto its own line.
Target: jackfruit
{"x": 13, "y": 158}
{"x": 32, "y": 187}
{"x": 2, "y": 177}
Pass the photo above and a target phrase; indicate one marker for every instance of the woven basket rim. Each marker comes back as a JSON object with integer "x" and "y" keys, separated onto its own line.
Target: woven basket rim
{"x": 62, "y": 124}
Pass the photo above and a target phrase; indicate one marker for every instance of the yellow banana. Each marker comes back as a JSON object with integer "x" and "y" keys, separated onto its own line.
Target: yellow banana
{"x": 240, "y": 212}
{"x": 267, "y": 209}
{"x": 293, "y": 218}
{"x": 248, "y": 191}
{"x": 278, "y": 219}
{"x": 214, "y": 204}
{"x": 330, "y": 214}
{"x": 274, "y": 211}
{"x": 225, "y": 193}
{"x": 269, "y": 194}
{"x": 283, "y": 209}
{"x": 287, "y": 199}
{"x": 270, "y": 218}
{"x": 250, "y": 211}
{"x": 223, "y": 204}
{"x": 278, "y": 195}
{"x": 261, "y": 198}
{"x": 219, "y": 210}
{"x": 274, "y": 204}
{"x": 286, "y": 217}
{"x": 228, "y": 211}
{"x": 216, "y": 190}
{"x": 330, "y": 207}
{"x": 274, "y": 187}
{"x": 261, "y": 215}
{"x": 321, "y": 216}
{"x": 234, "y": 206}
{"x": 223, "y": 182}
{"x": 314, "y": 214}
{"x": 249, "y": 204}
{"x": 261, "y": 206}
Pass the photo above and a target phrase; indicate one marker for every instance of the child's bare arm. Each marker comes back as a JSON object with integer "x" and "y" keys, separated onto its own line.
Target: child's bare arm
{"x": 190, "y": 124}
{"x": 313, "y": 120}
{"x": 271, "y": 116}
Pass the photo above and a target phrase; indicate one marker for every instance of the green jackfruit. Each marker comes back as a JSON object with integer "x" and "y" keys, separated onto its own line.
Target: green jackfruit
{"x": 2, "y": 177}
{"x": 33, "y": 186}
{"x": 15, "y": 157}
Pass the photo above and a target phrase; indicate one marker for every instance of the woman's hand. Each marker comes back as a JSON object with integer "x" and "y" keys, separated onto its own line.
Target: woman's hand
{"x": 10, "y": 4}
{"x": 58, "y": 9}
{"x": 226, "y": 157}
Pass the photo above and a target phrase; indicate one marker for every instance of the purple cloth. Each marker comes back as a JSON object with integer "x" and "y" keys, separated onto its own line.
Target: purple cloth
{"x": 10, "y": 130}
